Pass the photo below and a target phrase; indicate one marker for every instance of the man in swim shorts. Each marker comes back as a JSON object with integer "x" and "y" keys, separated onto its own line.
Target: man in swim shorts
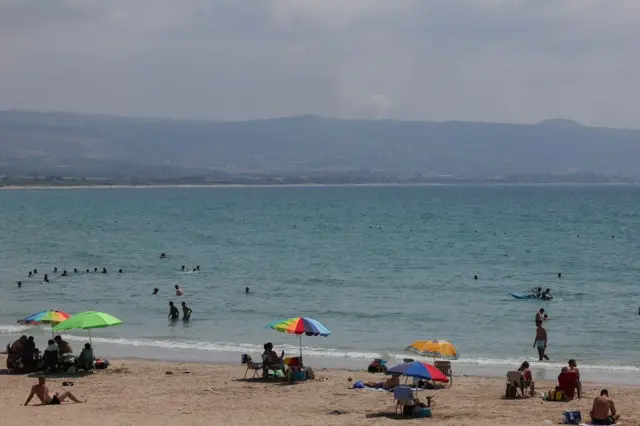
{"x": 600, "y": 411}
{"x": 49, "y": 398}
{"x": 540, "y": 342}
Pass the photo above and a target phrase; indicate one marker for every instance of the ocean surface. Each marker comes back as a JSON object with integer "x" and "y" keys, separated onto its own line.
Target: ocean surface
{"x": 379, "y": 266}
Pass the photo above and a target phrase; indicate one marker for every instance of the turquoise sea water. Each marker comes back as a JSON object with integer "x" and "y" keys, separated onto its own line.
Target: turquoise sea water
{"x": 379, "y": 266}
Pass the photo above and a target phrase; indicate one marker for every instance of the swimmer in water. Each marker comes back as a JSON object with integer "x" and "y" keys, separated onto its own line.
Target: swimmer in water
{"x": 46, "y": 278}
{"x": 198, "y": 268}
{"x": 155, "y": 291}
{"x": 246, "y": 291}
{"x": 95, "y": 270}
{"x": 174, "y": 314}
{"x": 35, "y": 271}
{"x": 19, "y": 283}
{"x": 75, "y": 270}
{"x": 179, "y": 291}
{"x": 186, "y": 312}
{"x": 87, "y": 270}
{"x": 163, "y": 255}
{"x": 30, "y": 274}
{"x": 119, "y": 271}
{"x": 64, "y": 273}
{"x": 55, "y": 270}
{"x": 104, "y": 270}
{"x": 194, "y": 269}
{"x": 182, "y": 269}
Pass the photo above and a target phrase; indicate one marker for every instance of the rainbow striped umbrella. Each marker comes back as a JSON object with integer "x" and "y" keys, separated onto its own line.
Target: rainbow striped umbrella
{"x": 45, "y": 317}
{"x": 300, "y": 326}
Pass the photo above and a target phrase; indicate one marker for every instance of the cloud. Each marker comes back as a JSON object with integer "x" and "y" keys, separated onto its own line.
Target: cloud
{"x": 494, "y": 60}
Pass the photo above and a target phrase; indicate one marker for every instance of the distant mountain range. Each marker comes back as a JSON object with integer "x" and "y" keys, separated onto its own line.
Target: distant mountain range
{"x": 95, "y": 145}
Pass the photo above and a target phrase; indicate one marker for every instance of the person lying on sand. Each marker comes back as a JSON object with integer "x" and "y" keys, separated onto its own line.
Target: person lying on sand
{"x": 601, "y": 407}
{"x": 49, "y": 398}
{"x": 388, "y": 384}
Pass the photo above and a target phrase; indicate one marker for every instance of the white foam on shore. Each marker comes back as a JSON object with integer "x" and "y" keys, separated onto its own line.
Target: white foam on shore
{"x": 231, "y": 347}
{"x": 13, "y": 329}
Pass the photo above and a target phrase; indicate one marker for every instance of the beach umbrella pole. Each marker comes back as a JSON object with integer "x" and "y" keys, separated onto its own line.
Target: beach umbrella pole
{"x": 90, "y": 342}
{"x": 300, "y": 335}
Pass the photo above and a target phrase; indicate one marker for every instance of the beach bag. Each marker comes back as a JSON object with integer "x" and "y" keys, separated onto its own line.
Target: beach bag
{"x": 557, "y": 395}
{"x": 377, "y": 366}
{"x": 571, "y": 417}
{"x": 101, "y": 364}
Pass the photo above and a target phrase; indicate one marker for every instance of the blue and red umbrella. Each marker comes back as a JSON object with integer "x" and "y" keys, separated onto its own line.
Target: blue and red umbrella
{"x": 418, "y": 369}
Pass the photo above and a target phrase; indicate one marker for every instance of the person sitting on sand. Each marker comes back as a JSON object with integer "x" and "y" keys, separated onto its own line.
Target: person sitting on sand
{"x": 388, "y": 384}
{"x": 527, "y": 379}
{"x": 179, "y": 291}
{"x": 29, "y": 353}
{"x": 568, "y": 382}
{"x": 49, "y": 398}
{"x": 15, "y": 352}
{"x": 602, "y": 405}
{"x": 63, "y": 346}
{"x": 86, "y": 357}
{"x": 573, "y": 367}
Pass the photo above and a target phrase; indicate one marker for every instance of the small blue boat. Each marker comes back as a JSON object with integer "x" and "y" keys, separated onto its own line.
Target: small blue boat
{"x": 521, "y": 296}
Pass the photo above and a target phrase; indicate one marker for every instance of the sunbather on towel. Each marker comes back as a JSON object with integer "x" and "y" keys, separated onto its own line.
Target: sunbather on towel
{"x": 49, "y": 398}
{"x": 388, "y": 384}
{"x": 601, "y": 407}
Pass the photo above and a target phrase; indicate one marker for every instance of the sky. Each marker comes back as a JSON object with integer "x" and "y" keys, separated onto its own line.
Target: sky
{"x": 481, "y": 60}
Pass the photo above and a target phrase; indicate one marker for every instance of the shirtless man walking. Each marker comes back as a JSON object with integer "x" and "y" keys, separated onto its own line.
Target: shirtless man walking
{"x": 540, "y": 341}
{"x": 48, "y": 398}
{"x": 601, "y": 407}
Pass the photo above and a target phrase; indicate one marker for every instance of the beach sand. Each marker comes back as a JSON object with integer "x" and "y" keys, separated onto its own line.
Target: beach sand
{"x": 137, "y": 392}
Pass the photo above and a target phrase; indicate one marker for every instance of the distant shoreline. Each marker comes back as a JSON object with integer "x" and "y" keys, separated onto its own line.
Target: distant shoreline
{"x": 305, "y": 185}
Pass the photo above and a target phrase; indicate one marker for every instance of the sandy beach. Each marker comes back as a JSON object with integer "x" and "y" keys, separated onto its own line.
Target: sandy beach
{"x": 138, "y": 392}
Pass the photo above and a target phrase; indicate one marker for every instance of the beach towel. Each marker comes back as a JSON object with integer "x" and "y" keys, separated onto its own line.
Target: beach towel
{"x": 359, "y": 385}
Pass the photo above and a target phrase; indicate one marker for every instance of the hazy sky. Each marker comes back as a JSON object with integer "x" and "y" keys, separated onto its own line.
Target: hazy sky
{"x": 489, "y": 60}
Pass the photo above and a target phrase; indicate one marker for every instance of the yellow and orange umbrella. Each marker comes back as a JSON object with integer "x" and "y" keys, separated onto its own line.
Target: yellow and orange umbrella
{"x": 434, "y": 349}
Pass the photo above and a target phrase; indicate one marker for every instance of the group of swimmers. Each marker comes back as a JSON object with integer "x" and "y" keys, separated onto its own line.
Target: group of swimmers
{"x": 64, "y": 273}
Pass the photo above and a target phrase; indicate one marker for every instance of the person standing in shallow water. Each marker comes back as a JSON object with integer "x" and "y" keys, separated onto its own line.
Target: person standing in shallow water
{"x": 186, "y": 312}
{"x": 540, "y": 342}
{"x": 174, "y": 314}
{"x": 179, "y": 291}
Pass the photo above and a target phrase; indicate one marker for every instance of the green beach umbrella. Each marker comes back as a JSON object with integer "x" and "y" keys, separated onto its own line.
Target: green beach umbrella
{"x": 87, "y": 321}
